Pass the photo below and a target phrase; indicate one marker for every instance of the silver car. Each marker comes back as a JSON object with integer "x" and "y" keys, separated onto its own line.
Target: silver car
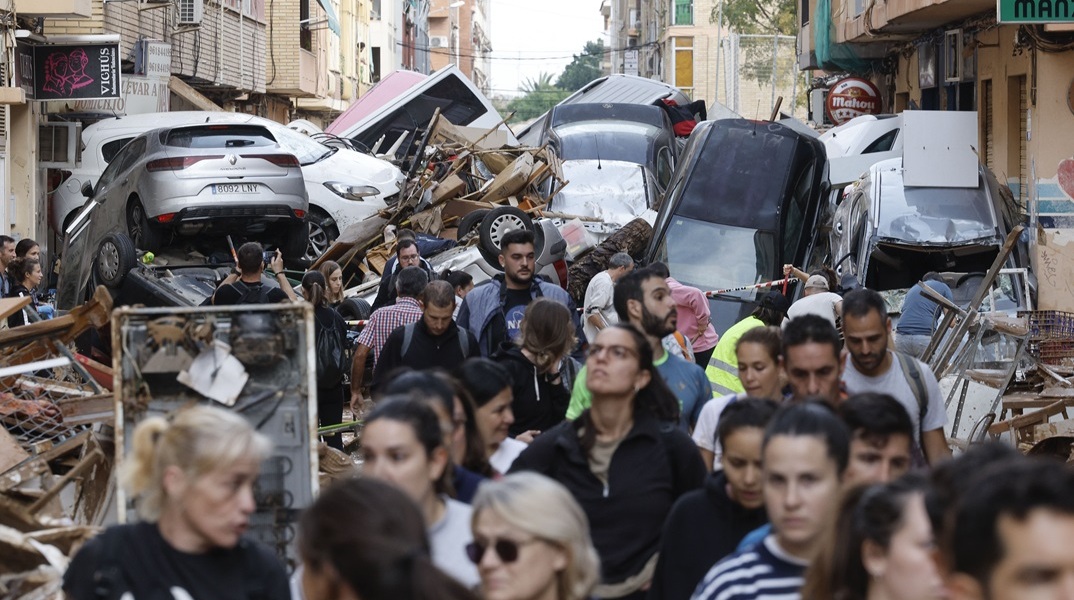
{"x": 199, "y": 180}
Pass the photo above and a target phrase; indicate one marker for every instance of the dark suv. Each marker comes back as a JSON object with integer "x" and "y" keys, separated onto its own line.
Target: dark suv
{"x": 743, "y": 201}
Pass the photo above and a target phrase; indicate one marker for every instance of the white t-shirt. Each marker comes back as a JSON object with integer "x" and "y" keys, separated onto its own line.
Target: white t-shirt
{"x": 598, "y": 296}
{"x": 448, "y": 538}
{"x": 894, "y": 383}
{"x": 506, "y": 454}
{"x": 821, "y": 304}
{"x": 708, "y": 422}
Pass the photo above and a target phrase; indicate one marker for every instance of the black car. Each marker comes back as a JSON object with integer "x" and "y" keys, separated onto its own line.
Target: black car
{"x": 743, "y": 202}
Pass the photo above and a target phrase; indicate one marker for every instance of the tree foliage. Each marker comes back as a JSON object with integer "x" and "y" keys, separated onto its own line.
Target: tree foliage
{"x": 758, "y": 17}
{"x": 584, "y": 67}
{"x": 538, "y": 96}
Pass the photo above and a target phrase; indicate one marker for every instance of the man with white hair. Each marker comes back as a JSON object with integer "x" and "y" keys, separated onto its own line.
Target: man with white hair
{"x": 597, "y": 308}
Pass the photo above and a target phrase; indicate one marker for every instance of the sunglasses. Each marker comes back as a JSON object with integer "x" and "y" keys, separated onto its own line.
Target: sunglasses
{"x": 507, "y": 550}
{"x": 618, "y": 352}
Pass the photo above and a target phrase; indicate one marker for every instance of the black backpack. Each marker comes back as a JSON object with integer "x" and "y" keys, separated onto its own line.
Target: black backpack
{"x": 252, "y": 295}
{"x": 331, "y": 353}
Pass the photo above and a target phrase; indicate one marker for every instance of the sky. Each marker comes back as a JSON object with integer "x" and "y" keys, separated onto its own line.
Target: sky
{"x": 543, "y": 34}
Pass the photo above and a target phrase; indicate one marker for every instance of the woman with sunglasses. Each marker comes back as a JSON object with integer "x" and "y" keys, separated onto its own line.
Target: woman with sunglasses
{"x": 531, "y": 541}
{"x": 624, "y": 460}
{"x": 403, "y": 444}
{"x": 364, "y": 539}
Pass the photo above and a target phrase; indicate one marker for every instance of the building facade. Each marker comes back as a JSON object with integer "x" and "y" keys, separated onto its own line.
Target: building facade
{"x": 459, "y": 34}
{"x": 954, "y": 55}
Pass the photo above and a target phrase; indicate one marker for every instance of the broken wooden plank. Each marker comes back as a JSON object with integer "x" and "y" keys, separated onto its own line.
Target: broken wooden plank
{"x": 10, "y": 306}
{"x": 11, "y": 452}
{"x": 511, "y": 180}
{"x": 25, "y": 471}
{"x": 91, "y": 409}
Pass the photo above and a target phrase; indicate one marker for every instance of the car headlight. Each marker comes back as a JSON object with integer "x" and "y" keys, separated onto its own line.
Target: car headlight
{"x": 351, "y": 192}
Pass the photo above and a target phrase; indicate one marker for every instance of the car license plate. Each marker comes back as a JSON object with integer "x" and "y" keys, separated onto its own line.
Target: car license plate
{"x": 235, "y": 188}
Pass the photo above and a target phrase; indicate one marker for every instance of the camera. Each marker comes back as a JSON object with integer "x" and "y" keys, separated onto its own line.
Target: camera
{"x": 267, "y": 257}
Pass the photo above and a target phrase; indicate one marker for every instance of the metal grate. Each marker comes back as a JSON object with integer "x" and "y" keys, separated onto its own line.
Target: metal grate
{"x": 30, "y": 400}
{"x": 1051, "y": 335}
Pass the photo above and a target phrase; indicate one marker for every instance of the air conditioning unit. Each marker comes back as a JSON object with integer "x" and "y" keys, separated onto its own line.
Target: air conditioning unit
{"x": 438, "y": 41}
{"x": 190, "y": 11}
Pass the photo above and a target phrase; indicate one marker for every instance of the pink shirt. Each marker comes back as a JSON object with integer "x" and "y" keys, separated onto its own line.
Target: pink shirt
{"x": 692, "y": 307}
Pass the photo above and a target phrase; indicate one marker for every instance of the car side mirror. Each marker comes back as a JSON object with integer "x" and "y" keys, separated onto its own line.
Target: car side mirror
{"x": 87, "y": 189}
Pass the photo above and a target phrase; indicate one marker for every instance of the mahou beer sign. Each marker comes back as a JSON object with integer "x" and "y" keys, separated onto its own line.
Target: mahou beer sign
{"x": 852, "y": 97}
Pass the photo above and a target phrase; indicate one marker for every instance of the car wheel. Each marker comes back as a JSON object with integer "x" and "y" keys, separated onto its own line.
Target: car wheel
{"x": 322, "y": 233}
{"x": 115, "y": 258}
{"x": 497, "y": 223}
{"x": 469, "y": 221}
{"x": 354, "y": 309}
{"x": 143, "y": 234}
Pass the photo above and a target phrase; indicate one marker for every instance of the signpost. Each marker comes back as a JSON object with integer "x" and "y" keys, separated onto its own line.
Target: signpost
{"x": 1035, "y": 11}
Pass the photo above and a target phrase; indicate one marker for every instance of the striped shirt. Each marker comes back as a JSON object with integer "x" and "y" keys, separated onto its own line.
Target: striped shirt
{"x": 385, "y": 320}
{"x": 763, "y": 572}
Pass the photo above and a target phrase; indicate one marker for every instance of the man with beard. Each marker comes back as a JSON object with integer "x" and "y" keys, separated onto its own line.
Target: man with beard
{"x": 643, "y": 299}
{"x": 873, "y": 367}
{"x": 493, "y": 310}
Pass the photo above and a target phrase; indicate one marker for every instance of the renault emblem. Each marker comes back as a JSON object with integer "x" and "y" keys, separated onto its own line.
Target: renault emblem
{"x": 231, "y": 158}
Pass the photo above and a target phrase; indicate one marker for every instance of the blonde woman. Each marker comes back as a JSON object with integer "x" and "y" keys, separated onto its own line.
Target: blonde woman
{"x": 531, "y": 541}
{"x": 192, "y": 476}
{"x": 540, "y": 368}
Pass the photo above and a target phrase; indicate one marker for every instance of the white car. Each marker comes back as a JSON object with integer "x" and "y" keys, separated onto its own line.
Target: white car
{"x": 344, "y": 186}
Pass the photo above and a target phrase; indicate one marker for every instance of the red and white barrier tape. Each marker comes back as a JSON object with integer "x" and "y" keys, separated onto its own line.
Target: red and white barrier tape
{"x": 779, "y": 282}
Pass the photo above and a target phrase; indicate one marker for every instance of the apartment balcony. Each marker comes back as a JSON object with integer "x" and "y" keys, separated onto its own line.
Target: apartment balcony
{"x": 869, "y": 21}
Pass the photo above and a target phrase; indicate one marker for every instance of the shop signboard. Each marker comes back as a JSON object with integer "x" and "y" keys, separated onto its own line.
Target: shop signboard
{"x": 1035, "y": 11}
{"x": 87, "y": 71}
{"x": 852, "y": 97}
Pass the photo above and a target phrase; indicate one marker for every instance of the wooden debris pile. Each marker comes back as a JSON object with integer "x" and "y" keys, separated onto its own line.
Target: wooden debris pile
{"x": 55, "y": 447}
{"x": 454, "y": 179}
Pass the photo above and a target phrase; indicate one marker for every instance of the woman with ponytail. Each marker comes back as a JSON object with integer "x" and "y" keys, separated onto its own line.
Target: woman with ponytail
{"x": 540, "y": 367}
{"x": 330, "y": 333}
{"x": 192, "y": 478}
{"x": 624, "y": 460}
{"x": 364, "y": 539}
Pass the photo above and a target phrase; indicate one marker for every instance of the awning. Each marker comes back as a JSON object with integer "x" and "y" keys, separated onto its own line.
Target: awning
{"x": 333, "y": 21}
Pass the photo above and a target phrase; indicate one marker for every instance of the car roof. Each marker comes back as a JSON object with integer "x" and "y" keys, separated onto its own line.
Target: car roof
{"x": 137, "y": 124}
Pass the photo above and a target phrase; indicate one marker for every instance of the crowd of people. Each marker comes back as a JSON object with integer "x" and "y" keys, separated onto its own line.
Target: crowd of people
{"x": 517, "y": 448}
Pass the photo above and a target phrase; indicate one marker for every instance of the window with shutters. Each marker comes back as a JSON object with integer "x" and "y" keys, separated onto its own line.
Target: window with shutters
{"x": 682, "y": 12}
{"x": 684, "y": 64}
{"x": 1017, "y": 126}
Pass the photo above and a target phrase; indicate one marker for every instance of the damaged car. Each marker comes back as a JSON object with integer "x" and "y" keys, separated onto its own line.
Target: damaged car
{"x": 886, "y": 234}
{"x": 743, "y": 202}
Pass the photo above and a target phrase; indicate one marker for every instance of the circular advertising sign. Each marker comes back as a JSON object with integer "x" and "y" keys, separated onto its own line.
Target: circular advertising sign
{"x": 852, "y": 97}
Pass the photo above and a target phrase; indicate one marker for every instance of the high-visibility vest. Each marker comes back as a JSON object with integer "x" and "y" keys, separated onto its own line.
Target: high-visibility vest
{"x": 722, "y": 370}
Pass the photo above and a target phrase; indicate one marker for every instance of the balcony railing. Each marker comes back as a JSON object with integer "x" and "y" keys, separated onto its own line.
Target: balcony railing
{"x": 864, "y": 21}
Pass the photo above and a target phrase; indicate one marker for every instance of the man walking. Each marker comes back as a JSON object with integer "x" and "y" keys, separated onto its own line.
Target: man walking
{"x": 642, "y": 298}
{"x": 409, "y": 283}
{"x": 597, "y": 308}
{"x": 433, "y": 341}
{"x": 817, "y": 300}
{"x": 7, "y": 254}
{"x": 873, "y": 367}
{"x": 811, "y": 360}
{"x": 493, "y": 310}
{"x": 695, "y": 316}
{"x": 407, "y": 254}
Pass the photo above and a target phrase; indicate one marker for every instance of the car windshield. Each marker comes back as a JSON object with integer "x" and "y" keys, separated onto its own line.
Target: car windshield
{"x": 711, "y": 256}
{"x": 220, "y": 136}
{"x": 606, "y": 140}
{"x": 307, "y": 149}
{"x": 933, "y": 215}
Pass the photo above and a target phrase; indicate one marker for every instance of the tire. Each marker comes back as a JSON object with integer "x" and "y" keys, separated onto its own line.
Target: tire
{"x": 354, "y": 309}
{"x": 322, "y": 233}
{"x": 469, "y": 221}
{"x": 115, "y": 258}
{"x": 496, "y": 223}
{"x": 143, "y": 234}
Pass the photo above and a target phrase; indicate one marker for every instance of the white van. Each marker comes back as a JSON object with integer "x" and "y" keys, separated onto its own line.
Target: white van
{"x": 344, "y": 186}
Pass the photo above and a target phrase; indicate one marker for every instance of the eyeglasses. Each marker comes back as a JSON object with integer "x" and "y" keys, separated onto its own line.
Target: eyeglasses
{"x": 507, "y": 550}
{"x": 617, "y": 351}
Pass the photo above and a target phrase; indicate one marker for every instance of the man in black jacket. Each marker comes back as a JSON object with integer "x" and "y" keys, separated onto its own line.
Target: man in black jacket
{"x": 434, "y": 341}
